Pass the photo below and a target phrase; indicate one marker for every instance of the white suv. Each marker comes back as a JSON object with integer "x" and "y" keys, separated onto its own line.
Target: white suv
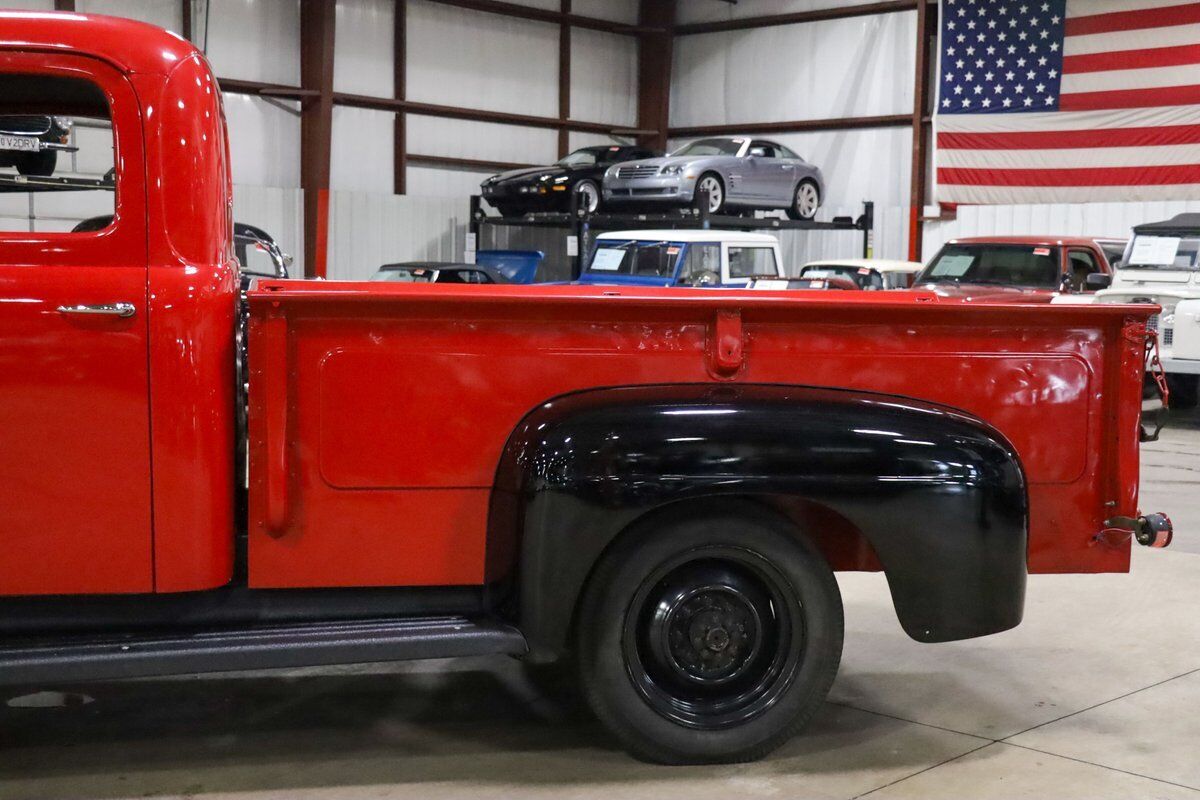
{"x": 1161, "y": 266}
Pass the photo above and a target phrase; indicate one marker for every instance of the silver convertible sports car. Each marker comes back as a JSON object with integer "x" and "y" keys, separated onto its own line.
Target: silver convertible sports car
{"x": 735, "y": 171}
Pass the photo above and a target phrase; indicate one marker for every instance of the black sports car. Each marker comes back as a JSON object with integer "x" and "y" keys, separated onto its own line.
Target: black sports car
{"x": 550, "y": 188}
{"x": 31, "y": 143}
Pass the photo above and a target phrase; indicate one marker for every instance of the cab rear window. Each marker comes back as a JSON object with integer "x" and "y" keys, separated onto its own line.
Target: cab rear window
{"x": 56, "y": 155}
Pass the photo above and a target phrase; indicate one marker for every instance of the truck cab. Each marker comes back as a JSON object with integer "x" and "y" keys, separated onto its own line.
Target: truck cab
{"x": 652, "y": 486}
{"x": 703, "y": 258}
{"x": 1017, "y": 269}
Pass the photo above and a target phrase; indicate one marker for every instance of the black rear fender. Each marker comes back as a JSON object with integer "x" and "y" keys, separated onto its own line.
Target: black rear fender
{"x": 940, "y": 496}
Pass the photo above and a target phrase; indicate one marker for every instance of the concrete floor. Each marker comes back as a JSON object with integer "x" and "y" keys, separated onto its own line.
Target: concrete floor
{"x": 1095, "y": 695}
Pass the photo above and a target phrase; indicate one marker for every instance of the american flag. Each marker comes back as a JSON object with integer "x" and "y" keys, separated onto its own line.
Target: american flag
{"x": 1043, "y": 101}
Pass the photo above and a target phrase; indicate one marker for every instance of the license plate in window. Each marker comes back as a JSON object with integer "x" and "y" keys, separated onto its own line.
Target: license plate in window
{"x": 26, "y": 143}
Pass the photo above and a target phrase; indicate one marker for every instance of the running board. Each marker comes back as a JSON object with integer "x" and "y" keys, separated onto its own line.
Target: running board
{"x": 78, "y": 658}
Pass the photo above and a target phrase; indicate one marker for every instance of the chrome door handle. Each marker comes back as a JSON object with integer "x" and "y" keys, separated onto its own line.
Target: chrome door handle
{"x": 107, "y": 309}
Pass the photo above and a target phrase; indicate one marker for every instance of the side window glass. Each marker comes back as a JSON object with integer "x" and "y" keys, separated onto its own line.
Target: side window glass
{"x": 1082, "y": 264}
{"x": 702, "y": 267}
{"x": 752, "y": 262}
{"x": 56, "y": 155}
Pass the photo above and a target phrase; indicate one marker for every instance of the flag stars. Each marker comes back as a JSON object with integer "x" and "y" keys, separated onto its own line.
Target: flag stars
{"x": 985, "y": 64}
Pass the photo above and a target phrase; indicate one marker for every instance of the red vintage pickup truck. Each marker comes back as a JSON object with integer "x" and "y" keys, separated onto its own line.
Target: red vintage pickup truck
{"x": 652, "y": 485}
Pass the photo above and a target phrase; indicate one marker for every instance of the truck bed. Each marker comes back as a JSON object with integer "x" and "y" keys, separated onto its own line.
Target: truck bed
{"x": 378, "y": 412}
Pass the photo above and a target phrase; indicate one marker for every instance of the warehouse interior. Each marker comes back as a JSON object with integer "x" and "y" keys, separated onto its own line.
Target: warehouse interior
{"x": 360, "y": 132}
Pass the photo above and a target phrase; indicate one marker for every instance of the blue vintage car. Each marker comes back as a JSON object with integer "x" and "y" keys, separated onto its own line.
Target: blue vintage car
{"x": 683, "y": 258}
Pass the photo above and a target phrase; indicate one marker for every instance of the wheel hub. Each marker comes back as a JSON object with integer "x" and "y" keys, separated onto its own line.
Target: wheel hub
{"x": 709, "y": 641}
{"x": 712, "y": 635}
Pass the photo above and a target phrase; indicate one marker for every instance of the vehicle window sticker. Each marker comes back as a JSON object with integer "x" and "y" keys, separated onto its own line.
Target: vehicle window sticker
{"x": 608, "y": 259}
{"x": 1154, "y": 250}
{"x": 954, "y": 266}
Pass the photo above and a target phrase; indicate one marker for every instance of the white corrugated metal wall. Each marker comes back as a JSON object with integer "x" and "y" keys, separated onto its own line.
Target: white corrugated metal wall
{"x": 862, "y": 66}
{"x": 1081, "y": 219}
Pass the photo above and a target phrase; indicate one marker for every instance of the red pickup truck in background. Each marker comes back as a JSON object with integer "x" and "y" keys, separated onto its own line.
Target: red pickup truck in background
{"x": 654, "y": 485}
{"x": 1020, "y": 269}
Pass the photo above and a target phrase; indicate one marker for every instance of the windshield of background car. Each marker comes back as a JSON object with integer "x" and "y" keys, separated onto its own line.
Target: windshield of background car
{"x": 864, "y": 277}
{"x": 580, "y": 158}
{"x": 711, "y": 147}
{"x": 405, "y": 275}
{"x": 752, "y": 262}
{"x": 56, "y": 165}
{"x": 1161, "y": 252}
{"x": 1002, "y": 264}
{"x": 646, "y": 259}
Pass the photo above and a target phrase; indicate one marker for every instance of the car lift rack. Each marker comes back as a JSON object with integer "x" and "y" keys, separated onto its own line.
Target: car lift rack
{"x": 580, "y": 224}
{"x": 31, "y": 183}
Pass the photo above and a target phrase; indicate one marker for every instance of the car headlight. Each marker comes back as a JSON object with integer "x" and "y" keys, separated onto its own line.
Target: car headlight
{"x": 65, "y": 123}
{"x": 563, "y": 179}
{"x": 1168, "y": 319}
{"x": 672, "y": 169}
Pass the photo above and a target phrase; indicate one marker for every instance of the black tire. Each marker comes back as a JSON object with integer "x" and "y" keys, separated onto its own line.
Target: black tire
{"x": 556, "y": 683}
{"x": 716, "y": 207}
{"x": 37, "y": 164}
{"x": 1185, "y": 391}
{"x": 709, "y": 638}
{"x": 589, "y": 188}
{"x": 800, "y": 209}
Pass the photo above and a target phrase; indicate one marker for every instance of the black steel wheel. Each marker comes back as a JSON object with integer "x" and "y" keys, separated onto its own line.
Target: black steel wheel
{"x": 709, "y": 638}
